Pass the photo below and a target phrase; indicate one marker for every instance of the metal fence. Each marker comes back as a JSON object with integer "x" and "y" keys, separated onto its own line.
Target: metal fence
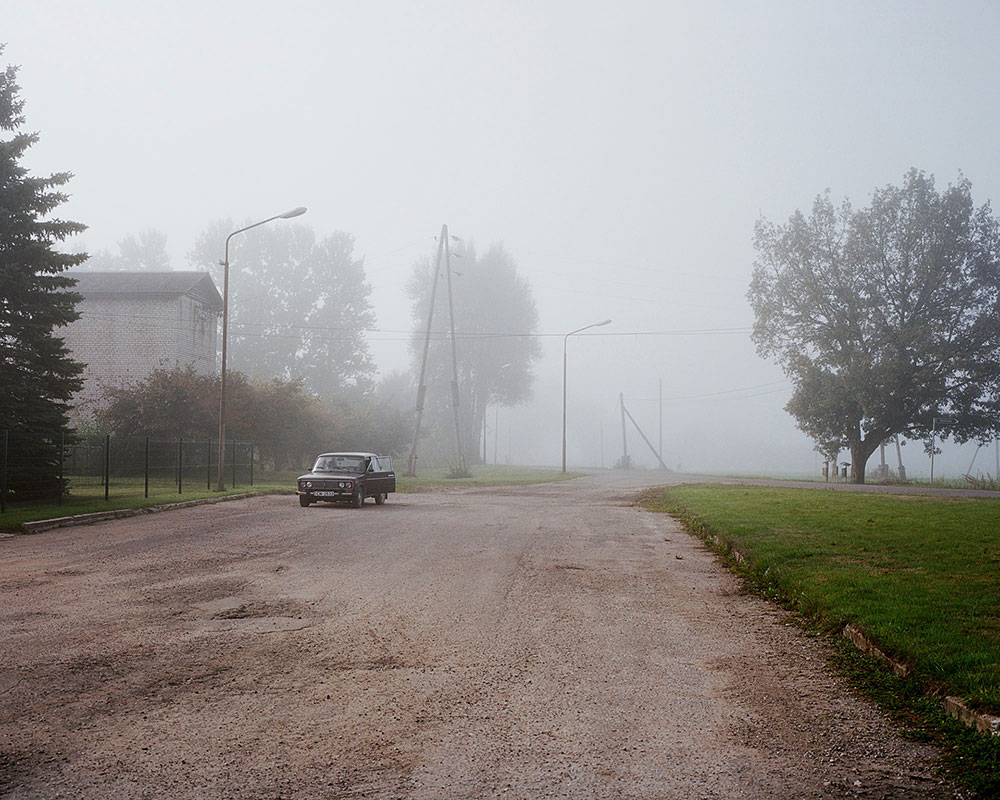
{"x": 45, "y": 468}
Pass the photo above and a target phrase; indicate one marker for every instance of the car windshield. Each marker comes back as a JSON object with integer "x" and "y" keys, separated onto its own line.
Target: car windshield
{"x": 339, "y": 463}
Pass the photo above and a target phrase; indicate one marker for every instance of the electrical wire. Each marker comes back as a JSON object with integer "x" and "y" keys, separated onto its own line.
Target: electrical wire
{"x": 407, "y": 335}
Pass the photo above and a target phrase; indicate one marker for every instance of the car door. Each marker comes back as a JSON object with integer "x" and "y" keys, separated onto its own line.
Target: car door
{"x": 384, "y": 480}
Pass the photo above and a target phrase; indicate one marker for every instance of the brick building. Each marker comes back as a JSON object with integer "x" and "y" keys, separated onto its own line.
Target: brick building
{"x": 134, "y": 322}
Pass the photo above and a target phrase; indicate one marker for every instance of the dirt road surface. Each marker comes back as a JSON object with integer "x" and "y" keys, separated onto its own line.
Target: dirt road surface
{"x": 548, "y": 641}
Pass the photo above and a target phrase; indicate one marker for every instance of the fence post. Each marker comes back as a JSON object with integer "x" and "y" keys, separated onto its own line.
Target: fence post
{"x": 146, "y": 468}
{"x": 3, "y": 476}
{"x": 107, "y": 466}
{"x": 62, "y": 456}
{"x": 251, "y": 464}
{"x": 234, "y": 463}
{"x": 180, "y": 463}
{"x": 208, "y": 483}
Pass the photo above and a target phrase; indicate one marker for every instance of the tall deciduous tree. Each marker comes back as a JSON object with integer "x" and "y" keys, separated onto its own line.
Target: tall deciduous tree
{"x": 37, "y": 376}
{"x": 495, "y": 322}
{"x": 298, "y": 307}
{"x": 885, "y": 318}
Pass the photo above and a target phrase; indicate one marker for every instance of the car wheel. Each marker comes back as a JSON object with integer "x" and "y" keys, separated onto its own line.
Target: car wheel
{"x": 379, "y": 498}
{"x": 357, "y": 499}
{"x": 304, "y": 501}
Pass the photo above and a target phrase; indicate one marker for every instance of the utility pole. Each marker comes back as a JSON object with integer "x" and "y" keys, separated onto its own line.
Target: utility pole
{"x": 621, "y": 402}
{"x": 411, "y": 465}
{"x": 496, "y": 431}
{"x": 649, "y": 444}
{"x": 661, "y": 422}
{"x": 454, "y": 357}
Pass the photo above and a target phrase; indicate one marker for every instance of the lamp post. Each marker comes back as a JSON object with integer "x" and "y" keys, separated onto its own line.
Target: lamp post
{"x": 565, "y": 340}
{"x": 295, "y": 212}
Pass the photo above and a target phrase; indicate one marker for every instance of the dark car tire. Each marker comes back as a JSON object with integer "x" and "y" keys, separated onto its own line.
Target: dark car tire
{"x": 380, "y": 498}
{"x": 304, "y": 501}
{"x": 358, "y": 499}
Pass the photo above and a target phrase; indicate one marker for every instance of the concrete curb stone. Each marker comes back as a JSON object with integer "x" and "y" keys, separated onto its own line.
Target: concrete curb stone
{"x": 37, "y": 526}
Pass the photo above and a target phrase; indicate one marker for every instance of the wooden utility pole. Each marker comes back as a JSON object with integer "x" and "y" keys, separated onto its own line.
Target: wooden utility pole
{"x": 660, "y": 454}
{"x": 454, "y": 357}
{"x": 621, "y": 402}
{"x": 411, "y": 465}
{"x": 649, "y": 444}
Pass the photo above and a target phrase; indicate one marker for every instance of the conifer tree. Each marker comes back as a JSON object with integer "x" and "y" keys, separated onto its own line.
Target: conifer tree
{"x": 37, "y": 375}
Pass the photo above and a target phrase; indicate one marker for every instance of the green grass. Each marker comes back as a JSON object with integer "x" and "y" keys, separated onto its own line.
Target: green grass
{"x": 919, "y": 575}
{"x": 432, "y": 478}
{"x": 88, "y": 496}
{"x": 125, "y": 493}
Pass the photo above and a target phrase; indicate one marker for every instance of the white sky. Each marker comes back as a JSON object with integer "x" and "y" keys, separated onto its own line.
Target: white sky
{"x": 622, "y": 152}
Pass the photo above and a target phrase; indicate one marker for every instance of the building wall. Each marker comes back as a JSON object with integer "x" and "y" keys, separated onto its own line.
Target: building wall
{"x": 121, "y": 341}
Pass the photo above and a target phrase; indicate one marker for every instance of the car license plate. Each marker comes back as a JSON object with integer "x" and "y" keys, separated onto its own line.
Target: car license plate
{"x": 325, "y": 494}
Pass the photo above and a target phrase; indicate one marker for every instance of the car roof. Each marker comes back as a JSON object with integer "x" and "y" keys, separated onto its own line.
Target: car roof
{"x": 340, "y": 453}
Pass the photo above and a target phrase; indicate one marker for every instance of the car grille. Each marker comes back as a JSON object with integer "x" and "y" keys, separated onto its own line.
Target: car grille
{"x": 316, "y": 484}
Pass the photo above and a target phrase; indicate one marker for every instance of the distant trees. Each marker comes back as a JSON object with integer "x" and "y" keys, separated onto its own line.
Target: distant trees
{"x": 495, "y": 320}
{"x": 885, "y": 318}
{"x": 146, "y": 252}
{"x": 37, "y": 376}
{"x": 298, "y": 307}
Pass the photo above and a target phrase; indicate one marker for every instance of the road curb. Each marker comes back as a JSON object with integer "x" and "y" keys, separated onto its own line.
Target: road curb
{"x": 865, "y": 645}
{"x": 984, "y": 723}
{"x": 37, "y": 526}
{"x": 953, "y": 706}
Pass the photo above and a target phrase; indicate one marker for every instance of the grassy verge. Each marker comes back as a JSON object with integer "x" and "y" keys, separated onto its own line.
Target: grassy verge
{"x": 432, "y": 478}
{"x": 129, "y": 493}
{"x": 122, "y": 496}
{"x": 920, "y": 576}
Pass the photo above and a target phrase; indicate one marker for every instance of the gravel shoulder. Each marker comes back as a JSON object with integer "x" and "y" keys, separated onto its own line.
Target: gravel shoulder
{"x": 543, "y": 641}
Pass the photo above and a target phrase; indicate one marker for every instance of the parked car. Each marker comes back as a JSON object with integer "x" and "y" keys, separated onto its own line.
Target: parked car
{"x": 347, "y": 478}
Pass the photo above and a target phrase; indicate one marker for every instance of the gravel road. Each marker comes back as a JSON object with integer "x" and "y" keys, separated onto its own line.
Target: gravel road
{"x": 547, "y": 641}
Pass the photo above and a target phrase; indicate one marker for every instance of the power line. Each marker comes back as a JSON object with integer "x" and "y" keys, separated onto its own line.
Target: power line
{"x": 407, "y": 334}
{"x": 781, "y": 385}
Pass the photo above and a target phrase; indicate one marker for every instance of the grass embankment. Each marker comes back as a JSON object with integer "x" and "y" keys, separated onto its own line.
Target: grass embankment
{"x": 129, "y": 493}
{"x": 918, "y": 575}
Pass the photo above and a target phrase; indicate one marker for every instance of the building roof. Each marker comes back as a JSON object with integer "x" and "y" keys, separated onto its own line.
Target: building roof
{"x": 149, "y": 285}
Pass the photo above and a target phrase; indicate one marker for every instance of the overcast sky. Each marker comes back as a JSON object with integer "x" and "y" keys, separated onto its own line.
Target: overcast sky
{"x": 621, "y": 152}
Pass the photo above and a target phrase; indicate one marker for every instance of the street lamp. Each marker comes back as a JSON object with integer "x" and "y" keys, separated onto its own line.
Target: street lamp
{"x": 295, "y": 212}
{"x": 565, "y": 339}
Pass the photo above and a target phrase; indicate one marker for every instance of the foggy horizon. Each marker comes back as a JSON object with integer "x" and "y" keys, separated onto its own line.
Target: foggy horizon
{"x": 620, "y": 153}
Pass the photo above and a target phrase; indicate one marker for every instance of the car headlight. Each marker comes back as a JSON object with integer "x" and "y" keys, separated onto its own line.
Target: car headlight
{"x": 308, "y": 484}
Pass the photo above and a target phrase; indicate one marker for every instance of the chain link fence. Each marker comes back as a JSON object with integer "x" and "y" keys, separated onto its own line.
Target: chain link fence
{"x": 44, "y": 468}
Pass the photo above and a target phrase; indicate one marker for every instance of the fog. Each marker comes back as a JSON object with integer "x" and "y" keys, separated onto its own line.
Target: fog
{"x": 620, "y": 151}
